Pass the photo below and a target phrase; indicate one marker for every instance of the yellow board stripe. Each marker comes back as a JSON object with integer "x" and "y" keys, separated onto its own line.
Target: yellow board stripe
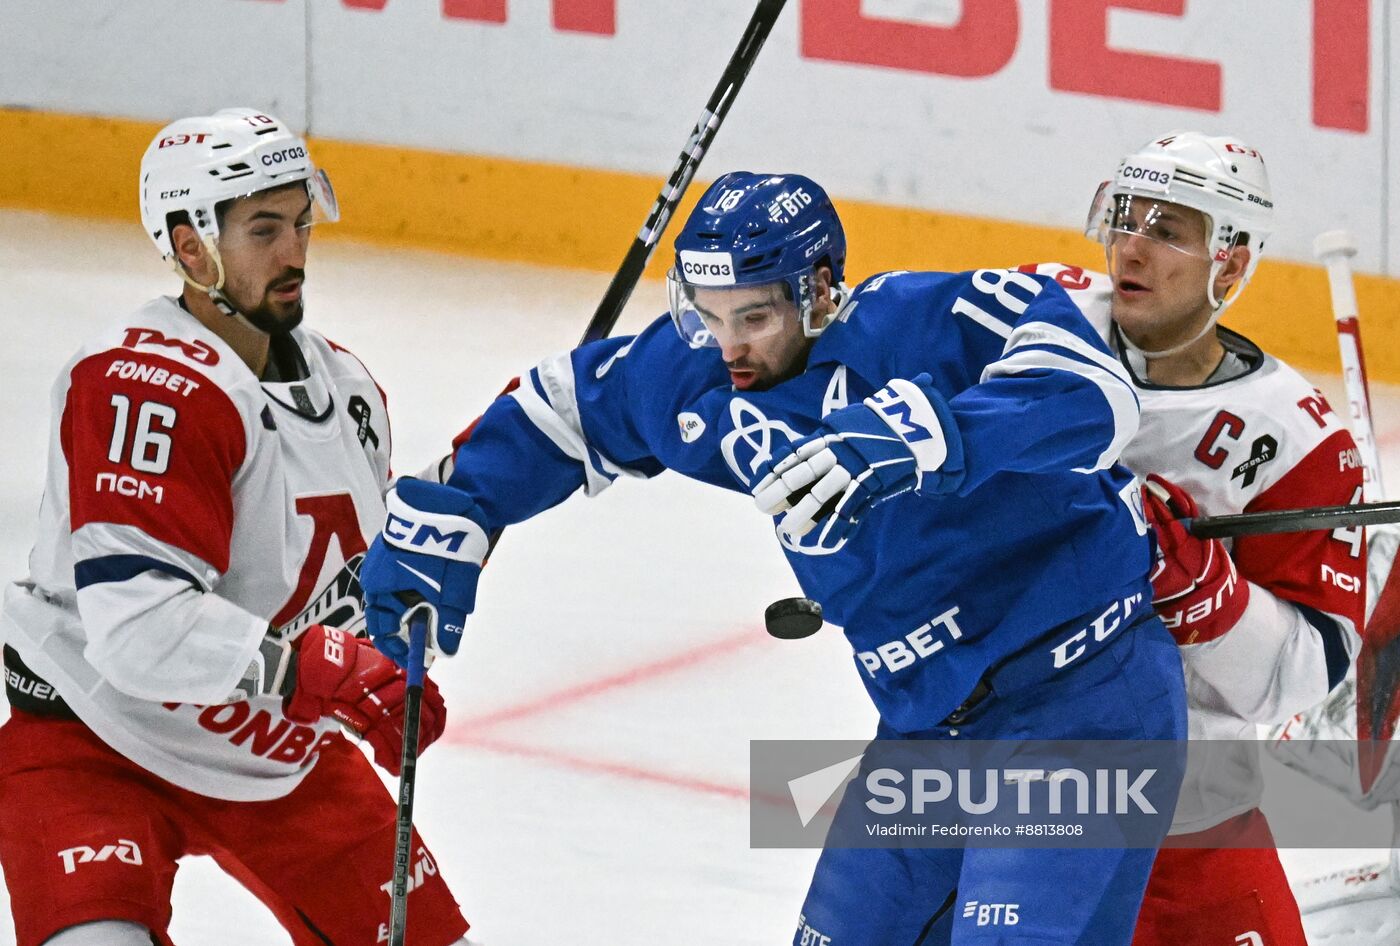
{"x": 557, "y": 215}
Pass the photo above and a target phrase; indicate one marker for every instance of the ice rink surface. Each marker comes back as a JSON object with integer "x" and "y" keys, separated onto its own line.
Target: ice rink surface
{"x": 591, "y": 787}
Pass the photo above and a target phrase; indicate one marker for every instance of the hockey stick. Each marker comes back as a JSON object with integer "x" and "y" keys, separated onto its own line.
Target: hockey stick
{"x": 625, "y": 279}
{"x": 599, "y": 326}
{"x": 408, "y": 777}
{"x": 701, "y": 136}
{"x": 1293, "y": 520}
{"x": 796, "y": 618}
{"x": 1335, "y": 249}
{"x": 627, "y": 275}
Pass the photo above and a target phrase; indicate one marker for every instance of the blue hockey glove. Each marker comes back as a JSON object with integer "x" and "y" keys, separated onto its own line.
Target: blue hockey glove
{"x": 900, "y": 438}
{"x": 429, "y": 555}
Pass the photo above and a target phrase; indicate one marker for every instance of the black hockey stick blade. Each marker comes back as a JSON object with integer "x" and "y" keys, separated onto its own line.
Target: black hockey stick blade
{"x": 625, "y": 279}
{"x": 1294, "y": 520}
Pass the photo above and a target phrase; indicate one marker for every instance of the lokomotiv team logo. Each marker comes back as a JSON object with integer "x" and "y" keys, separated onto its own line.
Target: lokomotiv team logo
{"x": 194, "y": 350}
{"x": 423, "y": 868}
{"x": 125, "y": 851}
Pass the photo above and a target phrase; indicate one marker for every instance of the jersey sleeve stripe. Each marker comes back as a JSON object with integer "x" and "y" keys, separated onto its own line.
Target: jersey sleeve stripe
{"x": 103, "y": 540}
{"x": 550, "y": 402}
{"x": 1040, "y": 333}
{"x": 1334, "y": 644}
{"x": 600, "y": 465}
{"x": 95, "y": 571}
{"x": 537, "y": 409}
{"x": 1122, "y": 402}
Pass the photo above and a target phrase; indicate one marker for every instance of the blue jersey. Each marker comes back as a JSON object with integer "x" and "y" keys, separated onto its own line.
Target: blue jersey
{"x": 933, "y": 590}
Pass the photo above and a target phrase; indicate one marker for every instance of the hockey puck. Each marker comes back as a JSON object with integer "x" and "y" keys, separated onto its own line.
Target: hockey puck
{"x": 792, "y": 619}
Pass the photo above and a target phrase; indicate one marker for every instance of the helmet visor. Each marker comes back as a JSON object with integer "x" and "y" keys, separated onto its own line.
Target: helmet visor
{"x": 725, "y": 316}
{"x": 266, "y": 229}
{"x": 325, "y": 208}
{"x": 1113, "y": 218}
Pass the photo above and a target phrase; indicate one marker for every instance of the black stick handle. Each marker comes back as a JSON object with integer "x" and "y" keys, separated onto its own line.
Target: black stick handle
{"x": 625, "y": 279}
{"x": 408, "y": 778}
{"x": 1247, "y": 523}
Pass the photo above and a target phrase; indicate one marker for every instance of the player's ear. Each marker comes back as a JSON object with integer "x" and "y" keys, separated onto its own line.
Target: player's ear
{"x": 190, "y": 250}
{"x": 1233, "y": 270}
{"x": 822, "y": 288}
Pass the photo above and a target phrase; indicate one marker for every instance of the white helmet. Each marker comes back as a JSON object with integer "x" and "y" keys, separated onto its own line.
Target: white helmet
{"x": 194, "y": 164}
{"x": 1221, "y": 177}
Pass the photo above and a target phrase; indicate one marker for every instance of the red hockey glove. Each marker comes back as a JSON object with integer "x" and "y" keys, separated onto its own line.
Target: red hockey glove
{"x": 345, "y": 677}
{"x": 1196, "y": 590}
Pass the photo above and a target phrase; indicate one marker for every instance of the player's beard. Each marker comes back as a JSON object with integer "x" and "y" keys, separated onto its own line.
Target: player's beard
{"x": 269, "y": 319}
{"x": 789, "y": 365}
{"x": 274, "y": 318}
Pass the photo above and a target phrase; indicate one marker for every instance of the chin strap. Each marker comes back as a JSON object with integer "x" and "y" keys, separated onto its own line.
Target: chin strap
{"x": 216, "y": 291}
{"x": 1219, "y": 310}
{"x": 1152, "y": 355}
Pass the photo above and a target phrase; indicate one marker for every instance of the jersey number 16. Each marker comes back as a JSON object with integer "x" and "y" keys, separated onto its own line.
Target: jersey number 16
{"x": 150, "y": 444}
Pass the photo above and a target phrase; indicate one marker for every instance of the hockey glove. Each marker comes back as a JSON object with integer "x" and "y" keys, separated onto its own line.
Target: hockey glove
{"x": 429, "y": 555}
{"x": 901, "y": 438}
{"x": 1195, "y": 588}
{"x": 344, "y": 677}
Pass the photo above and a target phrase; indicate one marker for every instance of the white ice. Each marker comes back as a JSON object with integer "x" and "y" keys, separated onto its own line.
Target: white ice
{"x": 591, "y": 787}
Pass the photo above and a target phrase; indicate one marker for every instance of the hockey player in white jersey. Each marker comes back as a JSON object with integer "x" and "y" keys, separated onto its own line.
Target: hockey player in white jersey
{"x": 175, "y": 672}
{"x": 1269, "y": 625}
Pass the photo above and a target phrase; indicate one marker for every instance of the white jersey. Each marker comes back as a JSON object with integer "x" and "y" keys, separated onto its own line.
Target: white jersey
{"x": 1263, "y": 439}
{"x": 187, "y": 507}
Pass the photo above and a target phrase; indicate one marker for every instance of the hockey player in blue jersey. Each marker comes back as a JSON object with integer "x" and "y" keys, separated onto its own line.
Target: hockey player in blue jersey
{"x": 938, "y": 451}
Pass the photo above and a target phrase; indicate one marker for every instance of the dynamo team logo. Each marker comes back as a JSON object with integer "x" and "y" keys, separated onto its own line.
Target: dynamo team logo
{"x": 749, "y": 446}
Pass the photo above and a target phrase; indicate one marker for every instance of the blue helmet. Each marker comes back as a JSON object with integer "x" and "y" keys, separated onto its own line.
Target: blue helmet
{"x": 751, "y": 230}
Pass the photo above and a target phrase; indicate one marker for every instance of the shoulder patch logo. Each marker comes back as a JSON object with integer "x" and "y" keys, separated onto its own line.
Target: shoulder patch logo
{"x": 360, "y": 412}
{"x": 1265, "y": 448}
{"x": 195, "y": 350}
{"x": 691, "y": 424}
